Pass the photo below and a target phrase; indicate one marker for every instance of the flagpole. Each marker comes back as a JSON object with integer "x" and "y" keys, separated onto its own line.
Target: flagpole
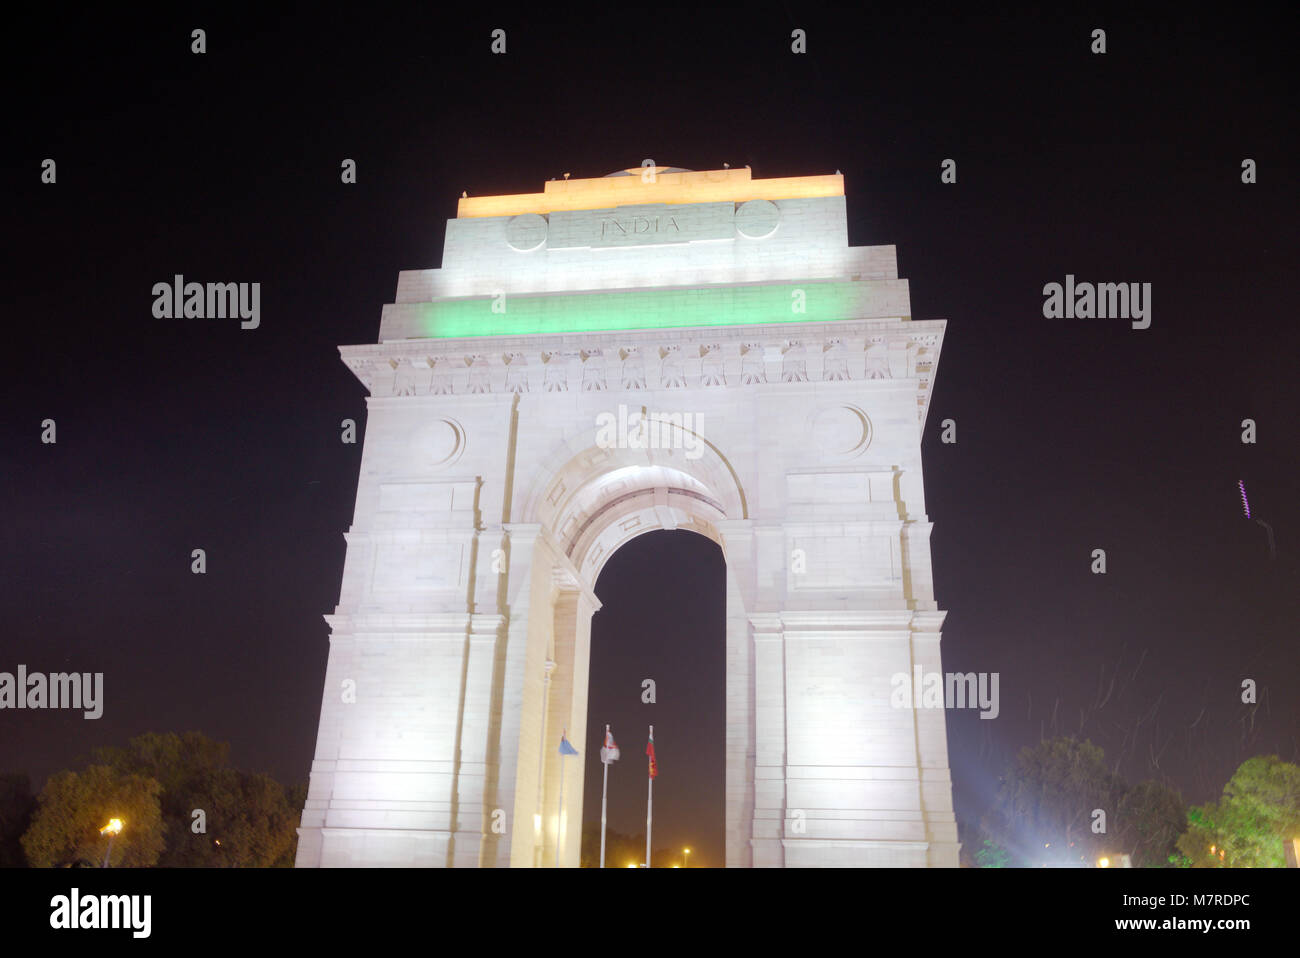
{"x": 649, "y": 805}
{"x": 559, "y": 819}
{"x": 539, "y": 836}
{"x": 604, "y": 792}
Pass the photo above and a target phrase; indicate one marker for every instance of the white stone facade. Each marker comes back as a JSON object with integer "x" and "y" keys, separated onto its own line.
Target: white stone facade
{"x": 487, "y": 506}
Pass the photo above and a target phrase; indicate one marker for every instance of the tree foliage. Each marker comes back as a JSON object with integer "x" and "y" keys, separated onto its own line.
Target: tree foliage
{"x": 174, "y": 760}
{"x": 215, "y": 816}
{"x": 992, "y": 855}
{"x": 1044, "y": 810}
{"x": 1150, "y": 819}
{"x": 17, "y": 805}
{"x": 620, "y": 849}
{"x": 1260, "y": 808}
{"x": 73, "y": 807}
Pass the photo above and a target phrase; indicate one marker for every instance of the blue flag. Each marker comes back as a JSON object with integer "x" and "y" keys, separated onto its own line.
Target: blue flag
{"x": 565, "y": 747}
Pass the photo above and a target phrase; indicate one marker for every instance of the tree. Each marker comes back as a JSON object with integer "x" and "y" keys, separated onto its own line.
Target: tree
{"x": 620, "y": 849}
{"x": 991, "y": 855}
{"x": 17, "y": 805}
{"x": 296, "y": 796}
{"x": 1150, "y": 819}
{"x": 249, "y": 823}
{"x": 215, "y": 816}
{"x": 174, "y": 760}
{"x": 1245, "y": 829}
{"x": 1202, "y": 845}
{"x": 1044, "y": 813}
{"x": 978, "y": 849}
{"x": 73, "y": 807}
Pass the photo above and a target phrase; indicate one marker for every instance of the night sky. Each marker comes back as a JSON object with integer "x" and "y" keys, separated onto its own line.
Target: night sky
{"x": 1073, "y": 434}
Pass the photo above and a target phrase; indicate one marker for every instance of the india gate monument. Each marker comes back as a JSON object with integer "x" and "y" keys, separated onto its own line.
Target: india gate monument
{"x": 654, "y": 349}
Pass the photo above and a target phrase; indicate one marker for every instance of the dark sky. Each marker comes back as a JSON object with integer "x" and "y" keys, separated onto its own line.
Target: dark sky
{"x": 1072, "y": 434}
{"x": 663, "y": 618}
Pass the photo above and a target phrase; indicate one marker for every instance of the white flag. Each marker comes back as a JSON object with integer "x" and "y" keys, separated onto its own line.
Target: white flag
{"x": 609, "y": 751}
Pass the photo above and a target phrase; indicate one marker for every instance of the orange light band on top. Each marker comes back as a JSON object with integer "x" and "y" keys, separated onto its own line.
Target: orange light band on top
{"x": 606, "y": 192}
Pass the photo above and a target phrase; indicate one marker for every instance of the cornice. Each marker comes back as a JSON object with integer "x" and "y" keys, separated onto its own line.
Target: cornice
{"x": 629, "y": 361}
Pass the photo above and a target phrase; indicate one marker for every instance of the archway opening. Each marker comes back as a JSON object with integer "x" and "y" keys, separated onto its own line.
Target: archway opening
{"x": 662, "y": 621}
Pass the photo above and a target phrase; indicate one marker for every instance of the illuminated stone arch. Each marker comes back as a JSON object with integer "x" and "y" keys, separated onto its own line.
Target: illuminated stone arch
{"x": 588, "y": 503}
{"x": 488, "y": 503}
{"x": 594, "y": 499}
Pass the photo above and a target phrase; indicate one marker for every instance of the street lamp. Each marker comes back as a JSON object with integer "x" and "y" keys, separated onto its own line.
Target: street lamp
{"x": 112, "y": 828}
{"x": 686, "y": 862}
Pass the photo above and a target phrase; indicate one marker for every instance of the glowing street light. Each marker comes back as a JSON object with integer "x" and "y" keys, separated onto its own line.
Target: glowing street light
{"x": 686, "y": 862}
{"x": 112, "y": 828}
{"x": 1103, "y": 862}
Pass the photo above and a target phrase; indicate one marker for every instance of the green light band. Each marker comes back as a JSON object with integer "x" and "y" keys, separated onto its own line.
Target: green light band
{"x": 647, "y": 309}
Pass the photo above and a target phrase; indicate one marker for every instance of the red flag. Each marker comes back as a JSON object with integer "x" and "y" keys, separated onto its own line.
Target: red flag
{"x": 650, "y": 750}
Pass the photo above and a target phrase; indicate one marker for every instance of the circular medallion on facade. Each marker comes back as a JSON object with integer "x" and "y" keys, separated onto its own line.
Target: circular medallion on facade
{"x": 526, "y": 232}
{"x": 758, "y": 219}
{"x": 841, "y": 430}
{"x": 444, "y": 441}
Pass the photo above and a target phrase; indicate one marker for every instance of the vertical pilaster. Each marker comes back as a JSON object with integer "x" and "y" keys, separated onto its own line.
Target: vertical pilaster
{"x": 935, "y": 779}
{"x": 769, "y": 740}
{"x": 737, "y": 547}
{"x": 573, "y": 607}
{"x": 472, "y": 817}
{"x": 519, "y": 657}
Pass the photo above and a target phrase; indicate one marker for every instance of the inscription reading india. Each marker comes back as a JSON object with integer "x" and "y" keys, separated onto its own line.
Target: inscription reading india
{"x": 636, "y": 225}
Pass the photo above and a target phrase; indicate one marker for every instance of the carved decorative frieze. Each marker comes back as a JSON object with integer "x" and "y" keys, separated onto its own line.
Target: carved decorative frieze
{"x": 794, "y": 363}
{"x": 593, "y": 370}
{"x": 633, "y": 367}
{"x": 670, "y": 359}
{"x": 712, "y": 365}
{"x": 556, "y": 378}
{"x": 516, "y": 372}
{"x": 479, "y": 380}
{"x": 835, "y": 361}
{"x": 672, "y": 374}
